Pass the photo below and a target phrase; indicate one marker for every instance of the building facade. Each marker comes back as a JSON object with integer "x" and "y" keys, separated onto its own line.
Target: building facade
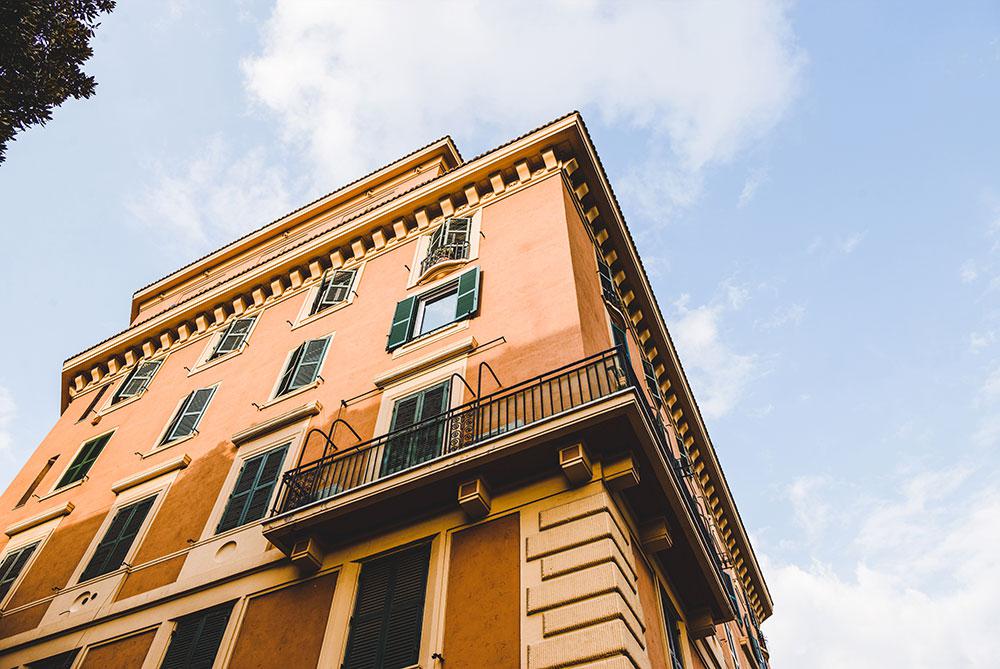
{"x": 432, "y": 419}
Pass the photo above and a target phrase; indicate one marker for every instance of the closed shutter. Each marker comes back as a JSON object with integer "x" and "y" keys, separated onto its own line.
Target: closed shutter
{"x": 60, "y": 661}
{"x": 252, "y": 492}
{"x": 233, "y": 338}
{"x": 195, "y": 641}
{"x": 190, "y": 414}
{"x": 412, "y": 447}
{"x": 428, "y": 439}
{"x": 117, "y": 541}
{"x": 651, "y": 382}
{"x": 12, "y": 566}
{"x": 84, "y": 460}
{"x": 397, "y": 449}
{"x": 309, "y": 363}
{"x": 673, "y": 632}
{"x": 335, "y": 288}
{"x": 731, "y": 593}
{"x": 468, "y": 294}
{"x": 388, "y": 612}
{"x": 402, "y": 323}
{"x": 138, "y": 380}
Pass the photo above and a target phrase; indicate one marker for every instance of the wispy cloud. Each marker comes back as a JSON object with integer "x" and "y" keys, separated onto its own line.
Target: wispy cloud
{"x": 782, "y": 317}
{"x": 848, "y": 244}
{"x": 755, "y": 180}
{"x": 968, "y": 272}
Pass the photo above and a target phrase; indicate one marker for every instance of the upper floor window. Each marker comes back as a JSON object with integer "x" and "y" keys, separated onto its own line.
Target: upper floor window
{"x": 335, "y": 288}
{"x": 449, "y": 242}
{"x": 196, "y": 639}
{"x": 233, "y": 337}
{"x": 388, "y": 615}
{"x": 84, "y": 460}
{"x": 189, "y": 414}
{"x": 252, "y": 493}
{"x": 303, "y": 365}
{"x": 651, "y": 382}
{"x": 137, "y": 380}
{"x": 60, "y": 661}
{"x": 421, "y": 314}
{"x": 118, "y": 539}
{"x": 409, "y": 447}
{"x": 671, "y": 623}
{"x": 12, "y": 566}
{"x": 608, "y": 288}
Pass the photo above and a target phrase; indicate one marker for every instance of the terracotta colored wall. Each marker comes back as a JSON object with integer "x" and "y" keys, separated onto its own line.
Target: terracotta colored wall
{"x": 285, "y": 628}
{"x": 656, "y": 643}
{"x": 125, "y": 653}
{"x": 482, "y": 616}
{"x": 593, "y": 312}
{"x": 22, "y": 621}
{"x": 149, "y": 578}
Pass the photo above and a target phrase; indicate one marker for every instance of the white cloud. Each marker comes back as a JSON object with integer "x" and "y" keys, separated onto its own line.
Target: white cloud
{"x": 923, "y": 593}
{"x": 968, "y": 272}
{"x": 356, "y": 84}
{"x": 782, "y": 316}
{"x": 213, "y": 199}
{"x": 719, "y": 374}
{"x": 851, "y": 242}
{"x": 809, "y": 506}
{"x": 755, "y": 180}
{"x": 980, "y": 340}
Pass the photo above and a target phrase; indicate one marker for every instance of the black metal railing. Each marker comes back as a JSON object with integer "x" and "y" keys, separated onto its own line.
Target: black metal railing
{"x": 437, "y": 254}
{"x": 510, "y": 409}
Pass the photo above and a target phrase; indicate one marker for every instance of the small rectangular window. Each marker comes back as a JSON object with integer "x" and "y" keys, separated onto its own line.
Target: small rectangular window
{"x": 303, "y": 367}
{"x": 118, "y": 539}
{"x": 84, "y": 460}
{"x": 608, "y": 288}
{"x": 421, "y": 314}
{"x": 233, "y": 338}
{"x": 336, "y": 288}
{"x": 252, "y": 493}
{"x": 12, "y": 566}
{"x": 137, "y": 381}
{"x": 196, "y": 639}
{"x": 189, "y": 415}
{"x": 388, "y": 611}
{"x": 409, "y": 447}
{"x": 672, "y": 627}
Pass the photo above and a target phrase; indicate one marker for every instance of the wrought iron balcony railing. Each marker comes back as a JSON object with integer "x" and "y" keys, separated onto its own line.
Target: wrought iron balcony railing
{"x": 439, "y": 254}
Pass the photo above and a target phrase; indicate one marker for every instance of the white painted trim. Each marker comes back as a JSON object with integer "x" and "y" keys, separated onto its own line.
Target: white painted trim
{"x": 396, "y": 374}
{"x": 259, "y": 430}
{"x": 38, "y": 519}
{"x": 305, "y": 318}
{"x": 179, "y": 462}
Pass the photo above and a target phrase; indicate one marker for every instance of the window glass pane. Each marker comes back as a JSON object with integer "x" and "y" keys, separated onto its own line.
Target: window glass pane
{"x": 437, "y": 311}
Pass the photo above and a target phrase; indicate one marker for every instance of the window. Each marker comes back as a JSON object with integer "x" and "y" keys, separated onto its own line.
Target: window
{"x": 421, "y": 314}
{"x": 252, "y": 493}
{"x": 651, "y": 382}
{"x": 233, "y": 337}
{"x": 93, "y": 403}
{"x": 671, "y": 623}
{"x": 412, "y": 446}
{"x": 727, "y": 582}
{"x": 303, "y": 367}
{"x": 621, "y": 342}
{"x": 388, "y": 612}
{"x": 336, "y": 288}
{"x": 118, "y": 539}
{"x": 46, "y": 468}
{"x": 448, "y": 242}
{"x": 186, "y": 420}
{"x": 60, "y": 661}
{"x": 196, "y": 639}
{"x": 137, "y": 381}
{"x": 84, "y": 460}
{"x": 12, "y": 566}
{"x": 608, "y": 288}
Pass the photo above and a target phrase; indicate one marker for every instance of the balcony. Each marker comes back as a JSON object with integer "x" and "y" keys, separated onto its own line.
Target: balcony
{"x": 347, "y": 492}
{"x": 442, "y": 254}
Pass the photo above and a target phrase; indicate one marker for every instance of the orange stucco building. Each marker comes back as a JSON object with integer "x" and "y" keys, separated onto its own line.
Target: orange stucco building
{"x": 432, "y": 419}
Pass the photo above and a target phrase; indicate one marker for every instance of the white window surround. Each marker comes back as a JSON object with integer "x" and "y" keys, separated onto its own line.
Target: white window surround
{"x": 431, "y": 338}
{"x": 159, "y": 444}
{"x": 305, "y": 318}
{"x": 36, "y": 534}
{"x": 274, "y": 398}
{"x": 411, "y": 384}
{"x": 424, "y": 240}
{"x": 205, "y": 360}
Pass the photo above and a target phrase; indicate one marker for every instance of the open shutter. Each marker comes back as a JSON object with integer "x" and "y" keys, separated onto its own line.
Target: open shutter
{"x": 261, "y": 495}
{"x": 607, "y": 280}
{"x": 457, "y": 231}
{"x": 233, "y": 514}
{"x": 117, "y": 541}
{"x": 388, "y": 612}
{"x": 468, "y": 294}
{"x": 402, "y": 323}
{"x": 138, "y": 380}
{"x": 286, "y": 376}
{"x": 84, "y": 460}
{"x": 60, "y": 661}
{"x": 12, "y": 566}
{"x": 309, "y": 362}
{"x": 195, "y": 642}
{"x": 190, "y": 414}
{"x": 233, "y": 337}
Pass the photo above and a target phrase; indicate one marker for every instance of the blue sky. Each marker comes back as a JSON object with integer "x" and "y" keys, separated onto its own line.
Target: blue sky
{"x": 815, "y": 187}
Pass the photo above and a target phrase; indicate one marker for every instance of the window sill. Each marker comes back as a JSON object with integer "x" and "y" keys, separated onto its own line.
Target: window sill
{"x": 57, "y": 491}
{"x": 118, "y": 405}
{"x": 291, "y": 393}
{"x": 325, "y": 312}
{"x": 217, "y": 361}
{"x": 431, "y": 337}
{"x": 159, "y": 448}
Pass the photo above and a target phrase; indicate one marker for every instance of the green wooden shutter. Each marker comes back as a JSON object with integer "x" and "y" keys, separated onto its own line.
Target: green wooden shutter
{"x": 608, "y": 287}
{"x": 396, "y": 455}
{"x": 468, "y": 294}
{"x": 60, "y": 661}
{"x": 196, "y": 639}
{"x": 84, "y": 460}
{"x": 428, "y": 438}
{"x": 138, "y": 380}
{"x": 286, "y": 376}
{"x": 233, "y": 338}
{"x": 12, "y": 566}
{"x": 670, "y": 623}
{"x": 117, "y": 541}
{"x": 402, "y": 323}
{"x": 731, "y": 593}
{"x": 309, "y": 362}
{"x": 651, "y": 382}
{"x": 252, "y": 492}
{"x": 190, "y": 414}
{"x": 621, "y": 341}
{"x": 388, "y": 612}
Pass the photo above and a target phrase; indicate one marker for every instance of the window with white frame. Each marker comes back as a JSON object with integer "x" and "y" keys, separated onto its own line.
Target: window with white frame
{"x": 233, "y": 337}
{"x": 251, "y": 494}
{"x": 334, "y": 289}
{"x": 117, "y": 541}
{"x": 421, "y": 314}
{"x": 137, "y": 381}
{"x": 303, "y": 366}
{"x": 189, "y": 415}
{"x": 449, "y": 242}
{"x": 12, "y": 565}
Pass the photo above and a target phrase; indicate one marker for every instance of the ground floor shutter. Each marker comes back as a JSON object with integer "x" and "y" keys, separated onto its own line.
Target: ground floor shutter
{"x": 195, "y": 641}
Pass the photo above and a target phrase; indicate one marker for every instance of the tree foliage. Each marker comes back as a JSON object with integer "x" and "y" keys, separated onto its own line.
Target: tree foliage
{"x": 43, "y": 43}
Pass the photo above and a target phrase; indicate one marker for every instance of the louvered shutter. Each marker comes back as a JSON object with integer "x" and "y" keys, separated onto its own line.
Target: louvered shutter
{"x": 402, "y": 323}
{"x": 12, "y": 566}
{"x": 309, "y": 363}
{"x": 397, "y": 448}
{"x": 731, "y": 593}
{"x": 428, "y": 439}
{"x": 196, "y": 639}
{"x": 468, "y": 294}
{"x": 60, "y": 661}
{"x": 621, "y": 342}
{"x": 190, "y": 414}
{"x": 261, "y": 495}
{"x": 388, "y": 612}
{"x": 117, "y": 541}
{"x": 233, "y": 514}
{"x": 607, "y": 280}
{"x": 233, "y": 338}
{"x": 84, "y": 460}
{"x": 138, "y": 380}
{"x": 286, "y": 376}
{"x": 651, "y": 382}
{"x": 457, "y": 231}
{"x": 335, "y": 289}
